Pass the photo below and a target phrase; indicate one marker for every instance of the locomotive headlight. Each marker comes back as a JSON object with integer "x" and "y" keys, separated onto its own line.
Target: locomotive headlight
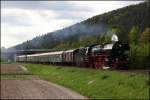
{"x": 116, "y": 59}
{"x": 106, "y": 59}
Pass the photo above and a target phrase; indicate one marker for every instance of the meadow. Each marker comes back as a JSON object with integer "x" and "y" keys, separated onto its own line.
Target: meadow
{"x": 95, "y": 84}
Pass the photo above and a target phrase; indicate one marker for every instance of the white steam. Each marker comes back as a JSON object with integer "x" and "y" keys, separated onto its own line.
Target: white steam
{"x": 114, "y": 38}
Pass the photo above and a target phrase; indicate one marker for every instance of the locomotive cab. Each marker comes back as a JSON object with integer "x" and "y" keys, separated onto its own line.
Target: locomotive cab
{"x": 79, "y": 56}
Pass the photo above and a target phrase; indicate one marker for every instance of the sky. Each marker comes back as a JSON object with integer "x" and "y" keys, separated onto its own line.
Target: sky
{"x": 24, "y": 20}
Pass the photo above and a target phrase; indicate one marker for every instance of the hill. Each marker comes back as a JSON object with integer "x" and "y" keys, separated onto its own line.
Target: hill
{"x": 94, "y": 30}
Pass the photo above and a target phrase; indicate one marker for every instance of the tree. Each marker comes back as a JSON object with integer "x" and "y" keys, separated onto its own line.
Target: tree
{"x": 133, "y": 35}
{"x": 145, "y": 36}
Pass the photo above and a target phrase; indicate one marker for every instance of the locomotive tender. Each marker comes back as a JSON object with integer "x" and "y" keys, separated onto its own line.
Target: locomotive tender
{"x": 110, "y": 55}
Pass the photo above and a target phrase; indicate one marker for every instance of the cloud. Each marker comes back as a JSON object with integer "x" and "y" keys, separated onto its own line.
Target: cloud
{"x": 19, "y": 25}
{"x": 64, "y": 9}
{"x": 43, "y": 5}
{"x": 14, "y": 21}
{"x": 25, "y": 17}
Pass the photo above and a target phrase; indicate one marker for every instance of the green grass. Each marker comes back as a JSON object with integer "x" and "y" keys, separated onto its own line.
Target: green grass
{"x": 5, "y": 62}
{"x": 95, "y": 84}
{"x": 19, "y": 76}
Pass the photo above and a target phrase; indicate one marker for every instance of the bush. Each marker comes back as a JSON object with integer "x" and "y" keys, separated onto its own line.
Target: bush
{"x": 139, "y": 56}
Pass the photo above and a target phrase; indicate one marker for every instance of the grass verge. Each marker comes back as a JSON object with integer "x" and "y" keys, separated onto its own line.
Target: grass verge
{"x": 95, "y": 84}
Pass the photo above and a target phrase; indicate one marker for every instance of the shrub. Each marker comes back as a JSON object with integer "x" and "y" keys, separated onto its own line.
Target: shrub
{"x": 139, "y": 56}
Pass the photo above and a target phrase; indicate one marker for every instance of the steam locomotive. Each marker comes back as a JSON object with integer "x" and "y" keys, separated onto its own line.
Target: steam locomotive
{"x": 109, "y": 55}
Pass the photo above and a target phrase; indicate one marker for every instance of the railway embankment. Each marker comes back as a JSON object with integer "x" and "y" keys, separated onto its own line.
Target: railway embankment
{"x": 95, "y": 84}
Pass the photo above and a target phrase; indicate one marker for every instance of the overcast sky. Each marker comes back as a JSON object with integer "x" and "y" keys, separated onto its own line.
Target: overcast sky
{"x": 23, "y": 20}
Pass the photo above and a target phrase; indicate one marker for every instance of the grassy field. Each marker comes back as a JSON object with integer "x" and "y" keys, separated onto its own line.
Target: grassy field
{"x": 95, "y": 84}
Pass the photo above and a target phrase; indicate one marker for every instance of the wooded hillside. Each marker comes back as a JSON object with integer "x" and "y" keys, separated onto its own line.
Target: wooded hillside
{"x": 122, "y": 21}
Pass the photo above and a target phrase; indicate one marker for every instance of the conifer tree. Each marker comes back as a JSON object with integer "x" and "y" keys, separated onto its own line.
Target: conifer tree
{"x": 145, "y": 36}
{"x": 133, "y": 35}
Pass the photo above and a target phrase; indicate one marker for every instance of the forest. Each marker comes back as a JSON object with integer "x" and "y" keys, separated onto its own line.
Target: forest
{"x": 131, "y": 24}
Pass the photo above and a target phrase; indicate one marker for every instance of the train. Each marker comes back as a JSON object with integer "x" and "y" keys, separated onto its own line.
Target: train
{"x": 99, "y": 56}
